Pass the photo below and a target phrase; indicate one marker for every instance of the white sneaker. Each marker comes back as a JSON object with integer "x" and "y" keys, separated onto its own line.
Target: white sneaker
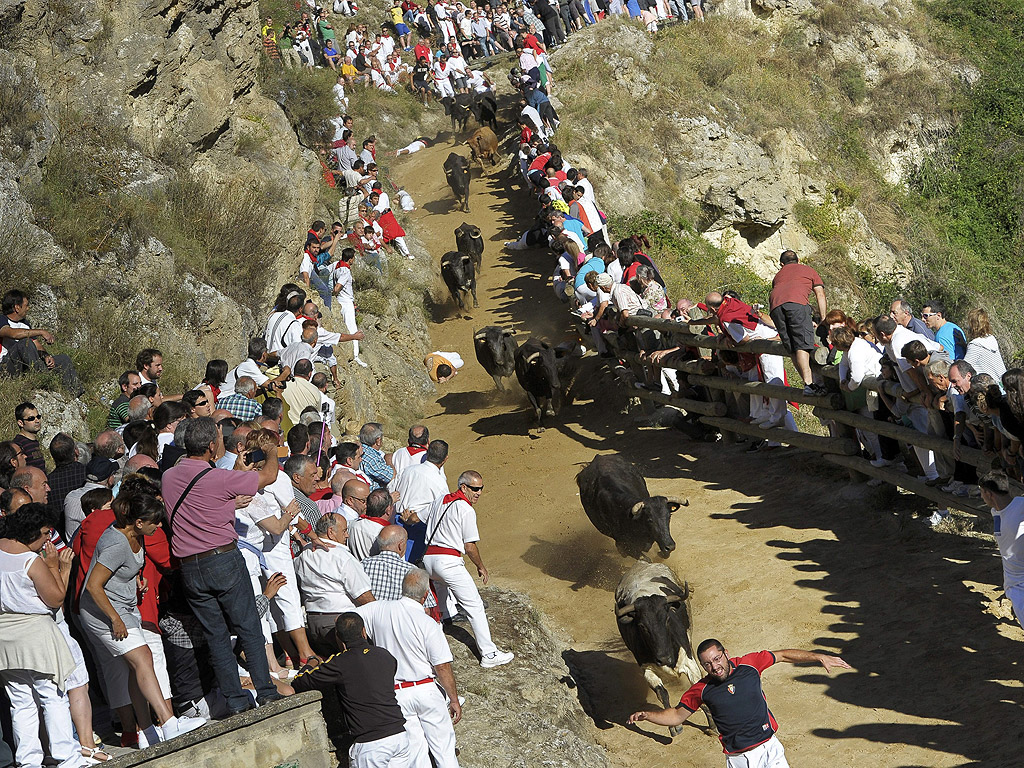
{"x": 150, "y": 736}
{"x": 770, "y": 423}
{"x": 496, "y": 659}
{"x": 359, "y": 362}
{"x": 178, "y": 726}
{"x": 880, "y": 462}
{"x": 938, "y": 516}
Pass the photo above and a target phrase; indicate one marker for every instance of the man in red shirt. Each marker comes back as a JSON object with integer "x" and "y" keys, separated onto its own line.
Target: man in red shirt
{"x": 789, "y": 311}
{"x": 732, "y": 692}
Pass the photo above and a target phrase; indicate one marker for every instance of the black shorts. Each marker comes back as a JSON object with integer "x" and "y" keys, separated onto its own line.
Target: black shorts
{"x": 795, "y": 326}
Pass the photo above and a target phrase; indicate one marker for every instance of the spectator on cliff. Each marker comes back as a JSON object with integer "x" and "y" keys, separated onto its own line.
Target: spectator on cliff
{"x": 949, "y": 335}
{"x": 903, "y": 314}
{"x": 68, "y": 473}
{"x": 22, "y": 346}
{"x": 250, "y": 369}
{"x": 29, "y": 422}
{"x": 242, "y": 403}
{"x": 791, "y": 315}
{"x": 346, "y": 153}
{"x": 982, "y": 347}
{"x": 128, "y": 382}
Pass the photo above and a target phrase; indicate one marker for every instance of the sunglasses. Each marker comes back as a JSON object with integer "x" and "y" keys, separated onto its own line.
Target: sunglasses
{"x": 37, "y": 417}
{"x": 475, "y": 488}
{"x": 201, "y": 402}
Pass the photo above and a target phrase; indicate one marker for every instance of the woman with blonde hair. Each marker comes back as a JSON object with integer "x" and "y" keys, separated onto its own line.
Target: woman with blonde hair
{"x": 982, "y": 346}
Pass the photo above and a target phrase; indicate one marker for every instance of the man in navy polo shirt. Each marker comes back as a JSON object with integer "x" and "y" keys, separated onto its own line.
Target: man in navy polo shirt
{"x": 732, "y": 692}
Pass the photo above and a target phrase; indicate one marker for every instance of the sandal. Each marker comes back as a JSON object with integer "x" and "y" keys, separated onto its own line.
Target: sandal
{"x": 92, "y": 753}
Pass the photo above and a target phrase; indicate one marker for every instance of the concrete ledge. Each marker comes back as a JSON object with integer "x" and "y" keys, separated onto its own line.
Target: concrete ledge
{"x": 290, "y": 730}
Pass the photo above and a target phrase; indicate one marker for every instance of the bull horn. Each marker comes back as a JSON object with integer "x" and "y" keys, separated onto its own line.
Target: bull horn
{"x": 480, "y": 335}
{"x": 531, "y": 358}
{"x": 677, "y": 500}
{"x": 624, "y": 610}
{"x": 673, "y": 598}
{"x": 507, "y": 332}
{"x": 636, "y": 509}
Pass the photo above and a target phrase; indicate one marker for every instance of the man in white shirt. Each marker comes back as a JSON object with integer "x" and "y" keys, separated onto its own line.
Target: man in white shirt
{"x": 364, "y": 530}
{"x": 451, "y": 533}
{"x": 331, "y": 582}
{"x": 353, "y": 499}
{"x": 413, "y": 453}
{"x": 1008, "y": 530}
{"x": 419, "y": 486}
{"x": 251, "y": 367}
{"x": 284, "y": 326}
{"x": 424, "y": 678}
{"x": 301, "y": 349}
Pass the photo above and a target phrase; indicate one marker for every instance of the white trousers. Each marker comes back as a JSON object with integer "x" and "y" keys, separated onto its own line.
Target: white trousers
{"x": 429, "y": 726}
{"x": 286, "y": 607}
{"x": 348, "y": 314}
{"x": 450, "y": 575}
{"x": 389, "y": 752}
{"x": 444, "y": 86}
{"x": 28, "y": 691}
{"x": 252, "y": 564}
{"x": 402, "y": 248}
{"x": 767, "y": 755}
{"x": 774, "y": 373}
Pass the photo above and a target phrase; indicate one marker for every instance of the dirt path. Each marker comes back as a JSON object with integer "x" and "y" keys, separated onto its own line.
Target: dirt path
{"x": 779, "y": 556}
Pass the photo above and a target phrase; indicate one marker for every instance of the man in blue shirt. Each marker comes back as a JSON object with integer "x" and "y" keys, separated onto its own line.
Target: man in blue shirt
{"x": 569, "y": 224}
{"x": 374, "y": 464}
{"x": 950, "y": 335}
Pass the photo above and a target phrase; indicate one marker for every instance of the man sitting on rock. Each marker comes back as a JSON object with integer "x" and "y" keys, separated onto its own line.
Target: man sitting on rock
{"x": 23, "y": 348}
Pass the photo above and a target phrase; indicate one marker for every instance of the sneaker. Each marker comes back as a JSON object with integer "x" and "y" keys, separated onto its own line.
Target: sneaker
{"x": 936, "y": 481}
{"x": 496, "y": 659}
{"x": 874, "y": 482}
{"x": 810, "y": 389}
{"x": 880, "y": 462}
{"x": 938, "y": 516}
{"x": 270, "y": 698}
{"x": 771, "y": 423}
{"x": 179, "y": 726}
{"x": 150, "y": 736}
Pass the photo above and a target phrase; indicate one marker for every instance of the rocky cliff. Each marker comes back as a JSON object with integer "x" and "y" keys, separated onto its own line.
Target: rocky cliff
{"x": 777, "y": 124}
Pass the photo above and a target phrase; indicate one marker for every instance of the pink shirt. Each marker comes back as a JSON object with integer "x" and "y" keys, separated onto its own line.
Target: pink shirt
{"x": 206, "y": 519}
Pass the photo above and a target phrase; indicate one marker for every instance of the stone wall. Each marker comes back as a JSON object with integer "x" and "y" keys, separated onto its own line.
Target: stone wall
{"x": 291, "y": 730}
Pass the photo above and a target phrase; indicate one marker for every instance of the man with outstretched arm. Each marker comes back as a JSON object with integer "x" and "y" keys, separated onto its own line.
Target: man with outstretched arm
{"x": 732, "y": 692}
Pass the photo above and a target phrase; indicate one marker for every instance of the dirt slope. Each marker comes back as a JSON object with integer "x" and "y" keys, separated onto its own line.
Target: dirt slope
{"x": 780, "y": 552}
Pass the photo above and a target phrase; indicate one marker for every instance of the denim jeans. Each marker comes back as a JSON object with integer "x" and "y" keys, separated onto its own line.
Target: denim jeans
{"x": 678, "y": 7}
{"x": 321, "y": 286}
{"x": 221, "y": 596}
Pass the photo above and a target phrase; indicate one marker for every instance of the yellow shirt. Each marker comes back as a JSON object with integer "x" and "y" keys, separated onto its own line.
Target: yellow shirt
{"x": 432, "y": 362}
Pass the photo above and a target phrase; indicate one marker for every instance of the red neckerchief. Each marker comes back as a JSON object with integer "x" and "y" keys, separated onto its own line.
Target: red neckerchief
{"x": 415, "y": 449}
{"x": 455, "y": 497}
{"x": 380, "y": 520}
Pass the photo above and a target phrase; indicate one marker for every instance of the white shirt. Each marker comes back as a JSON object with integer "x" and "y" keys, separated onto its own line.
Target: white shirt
{"x": 402, "y": 458}
{"x": 348, "y": 513}
{"x": 330, "y": 580}
{"x": 247, "y": 518}
{"x": 24, "y": 327}
{"x": 403, "y": 629}
{"x": 588, "y": 187}
{"x": 327, "y": 400}
{"x": 454, "y": 528}
{"x": 739, "y": 332}
{"x": 419, "y": 485}
{"x": 362, "y": 532}
{"x": 247, "y": 367}
{"x": 342, "y": 275}
{"x": 859, "y": 363}
{"x": 291, "y": 354}
{"x": 900, "y": 338}
{"x": 625, "y": 299}
{"x": 306, "y": 266}
{"x": 282, "y": 329}
{"x": 1009, "y": 534}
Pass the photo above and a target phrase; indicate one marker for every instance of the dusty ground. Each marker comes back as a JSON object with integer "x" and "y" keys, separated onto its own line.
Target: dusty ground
{"x": 780, "y": 550}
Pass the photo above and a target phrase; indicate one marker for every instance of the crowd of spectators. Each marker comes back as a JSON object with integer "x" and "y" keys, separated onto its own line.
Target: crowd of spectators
{"x": 197, "y": 553}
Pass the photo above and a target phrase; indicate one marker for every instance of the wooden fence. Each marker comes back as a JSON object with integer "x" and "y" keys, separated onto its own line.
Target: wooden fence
{"x": 842, "y": 449}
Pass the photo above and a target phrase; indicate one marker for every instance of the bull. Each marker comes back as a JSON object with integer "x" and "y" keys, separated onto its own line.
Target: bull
{"x": 469, "y": 240}
{"x": 483, "y": 145}
{"x": 456, "y": 171}
{"x": 496, "y": 351}
{"x": 537, "y": 371}
{"x": 458, "y": 274}
{"x": 615, "y": 497}
{"x": 653, "y": 615}
{"x": 485, "y": 109}
{"x": 459, "y": 107}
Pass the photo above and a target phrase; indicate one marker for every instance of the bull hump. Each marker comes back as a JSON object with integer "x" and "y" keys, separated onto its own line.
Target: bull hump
{"x": 647, "y": 580}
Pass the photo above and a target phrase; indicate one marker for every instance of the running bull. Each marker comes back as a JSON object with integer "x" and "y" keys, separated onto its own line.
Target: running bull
{"x": 537, "y": 370}
{"x": 496, "y": 351}
{"x": 456, "y": 171}
{"x": 652, "y": 612}
{"x": 615, "y": 497}
{"x": 483, "y": 145}
{"x": 468, "y": 239}
{"x": 458, "y": 274}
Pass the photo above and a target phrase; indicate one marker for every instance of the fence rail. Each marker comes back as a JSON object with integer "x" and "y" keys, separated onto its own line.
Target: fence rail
{"x": 841, "y": 450}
